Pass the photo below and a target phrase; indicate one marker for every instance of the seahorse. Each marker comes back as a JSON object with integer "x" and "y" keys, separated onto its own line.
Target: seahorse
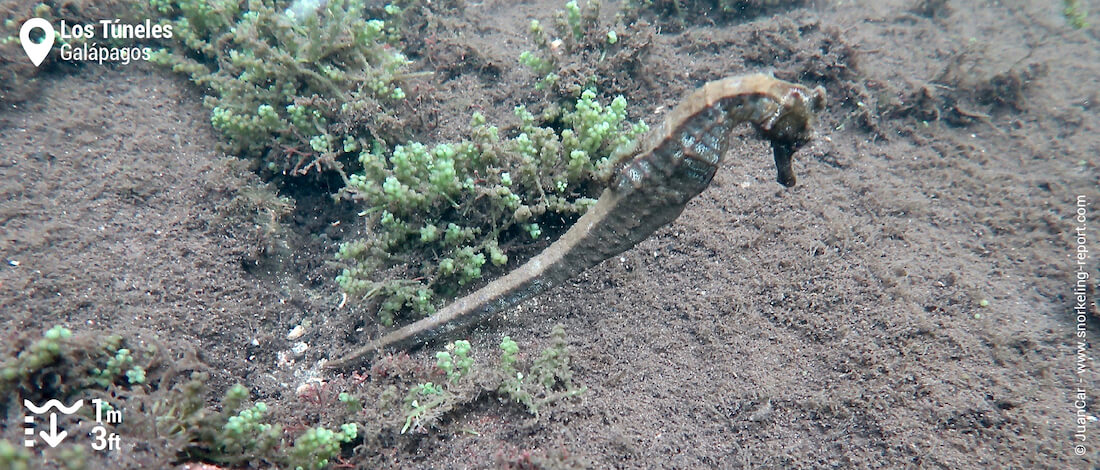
{"x": 677, "y": 161}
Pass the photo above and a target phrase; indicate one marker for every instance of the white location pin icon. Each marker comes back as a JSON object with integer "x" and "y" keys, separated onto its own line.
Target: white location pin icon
{"x": 37, "y": 51}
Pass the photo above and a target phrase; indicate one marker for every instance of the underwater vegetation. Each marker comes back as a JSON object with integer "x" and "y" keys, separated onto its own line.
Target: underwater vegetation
{"x": 441, "y": 214}
{"x": 170, "y": 412}
{"x": 532, "y": 384}
{"x": 281, "y": 78}
{"x": 1075, "y": 13}
{"x": 580, "y": 52}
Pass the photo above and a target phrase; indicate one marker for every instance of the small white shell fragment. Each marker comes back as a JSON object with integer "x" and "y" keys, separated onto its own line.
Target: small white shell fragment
{"x": 299, "y": 348}
{"x": 283, "y": 359}
{"x": 296, "y": 332}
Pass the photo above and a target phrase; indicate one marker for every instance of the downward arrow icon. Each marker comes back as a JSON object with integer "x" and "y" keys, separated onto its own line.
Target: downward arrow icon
{"x": 53, "y": 438}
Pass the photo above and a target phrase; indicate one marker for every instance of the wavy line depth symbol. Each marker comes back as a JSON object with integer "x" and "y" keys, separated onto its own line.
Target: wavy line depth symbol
{"x": 53, "y": 404}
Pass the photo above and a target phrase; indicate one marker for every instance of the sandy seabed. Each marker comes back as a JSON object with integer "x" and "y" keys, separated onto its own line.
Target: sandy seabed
{"x": 910, "y": 304}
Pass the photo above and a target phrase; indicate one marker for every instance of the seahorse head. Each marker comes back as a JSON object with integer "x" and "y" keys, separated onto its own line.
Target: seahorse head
{"x": 794, "y": 117}
{"x": 791, "y": 126}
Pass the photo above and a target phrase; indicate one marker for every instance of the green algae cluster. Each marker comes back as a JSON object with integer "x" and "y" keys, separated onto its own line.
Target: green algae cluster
{"x": 579, "y": 51}
{"x": 440, "y": 215}
{"x": 536, "y": 384}
{"x": 238, "y": 434}
{"x": 59, "y": 365}
{"x": 282, "y": 77}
